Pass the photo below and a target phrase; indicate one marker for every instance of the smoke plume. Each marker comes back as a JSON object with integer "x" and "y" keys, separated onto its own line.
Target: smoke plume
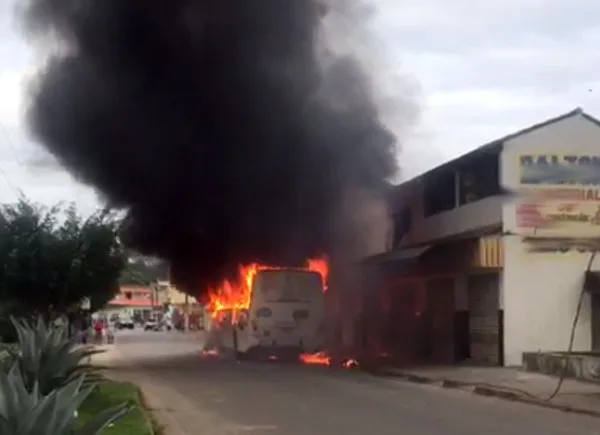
{"x": 229, "y": 129}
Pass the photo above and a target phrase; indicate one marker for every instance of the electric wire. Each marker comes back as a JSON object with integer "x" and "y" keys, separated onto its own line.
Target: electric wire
{"x": 569, "y": 352}
{"x": 15, "y": 190}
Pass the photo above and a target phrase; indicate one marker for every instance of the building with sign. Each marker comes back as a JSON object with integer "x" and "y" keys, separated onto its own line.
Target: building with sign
{"x": 487, "y": 254}
{"x": 136, "y": 302}
{"x": 183, "y": 307}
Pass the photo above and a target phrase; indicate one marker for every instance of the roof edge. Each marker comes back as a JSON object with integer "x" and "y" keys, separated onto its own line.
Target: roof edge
{"x": 499, "y": 143}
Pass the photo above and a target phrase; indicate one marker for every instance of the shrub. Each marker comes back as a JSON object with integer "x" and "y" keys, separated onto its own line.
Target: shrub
{"x": 28, "y": 412}
{"x": 48, "y": 359}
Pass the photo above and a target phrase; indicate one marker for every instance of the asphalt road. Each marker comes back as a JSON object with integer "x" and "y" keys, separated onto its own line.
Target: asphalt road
{"x": 272, "y": 398}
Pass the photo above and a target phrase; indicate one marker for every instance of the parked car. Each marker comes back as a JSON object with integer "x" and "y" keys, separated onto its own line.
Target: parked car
{"x": 151, "y": 325}
{"x": 125, "y": 323}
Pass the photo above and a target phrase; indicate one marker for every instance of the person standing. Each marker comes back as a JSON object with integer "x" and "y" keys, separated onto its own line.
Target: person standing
{"x": 98, "y": 329}
{"x": 84, "y": 328}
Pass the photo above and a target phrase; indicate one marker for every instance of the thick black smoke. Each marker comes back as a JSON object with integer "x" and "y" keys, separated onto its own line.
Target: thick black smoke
{"x": 225, "y": 127}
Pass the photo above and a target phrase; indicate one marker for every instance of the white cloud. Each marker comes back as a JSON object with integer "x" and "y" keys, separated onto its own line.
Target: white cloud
{"x": 11, "y": 102}
{"x": 490, "y": 68}
{"x": 484, "y": 69}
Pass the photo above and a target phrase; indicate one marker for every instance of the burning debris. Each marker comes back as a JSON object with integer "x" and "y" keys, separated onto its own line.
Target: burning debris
{"x": 228, "y": 129}
{"x": 323, "y": 359}
{"x": 314, "y": 359}
{"x": 319, "y": 358}
{"x": 210, "y": 354}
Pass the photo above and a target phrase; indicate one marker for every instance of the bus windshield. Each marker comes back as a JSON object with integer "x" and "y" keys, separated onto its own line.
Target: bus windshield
{"x": 287, "y": 286}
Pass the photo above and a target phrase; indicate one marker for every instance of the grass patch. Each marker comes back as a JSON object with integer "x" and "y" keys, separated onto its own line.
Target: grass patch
{"x": 109, "y": 394}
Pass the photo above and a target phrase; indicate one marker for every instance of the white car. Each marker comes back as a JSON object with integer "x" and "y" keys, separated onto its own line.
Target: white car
{"x": 125, "y": 323}
{"x": 151, "y": 325}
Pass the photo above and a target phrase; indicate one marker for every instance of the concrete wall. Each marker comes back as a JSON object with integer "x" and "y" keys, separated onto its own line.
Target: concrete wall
{"x": 179, "y": 298}
{"x": 121, "y": 311}
{"x": 460, "y": 293}
{"x": 541, "y": 290}
{"x": 473, "y": 216}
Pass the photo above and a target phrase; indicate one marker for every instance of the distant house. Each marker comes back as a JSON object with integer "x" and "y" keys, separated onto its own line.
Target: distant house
{"x": 133, "y": 301}
{"x": 181, "y": 303}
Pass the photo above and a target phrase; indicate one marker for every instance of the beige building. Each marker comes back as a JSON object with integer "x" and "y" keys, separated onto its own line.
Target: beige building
{"x": 188, "y": 305}
{"x": 478, "y": 274}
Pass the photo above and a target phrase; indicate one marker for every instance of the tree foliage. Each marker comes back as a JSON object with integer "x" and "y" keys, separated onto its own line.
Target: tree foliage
{"x": 50, "y": 259}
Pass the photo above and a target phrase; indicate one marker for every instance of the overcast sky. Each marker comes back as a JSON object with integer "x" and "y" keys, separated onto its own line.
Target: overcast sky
{"x": 480, "y": 70}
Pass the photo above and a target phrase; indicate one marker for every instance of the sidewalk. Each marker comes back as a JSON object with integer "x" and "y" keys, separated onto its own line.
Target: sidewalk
{"x": 172, "y": 411}
{"x": 510, "y": 384}
{"x": 110, "y": 356}
{"x": 192, "y": 335}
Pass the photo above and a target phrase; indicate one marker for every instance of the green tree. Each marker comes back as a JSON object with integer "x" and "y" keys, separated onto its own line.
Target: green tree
{"x": 50, "y": 259}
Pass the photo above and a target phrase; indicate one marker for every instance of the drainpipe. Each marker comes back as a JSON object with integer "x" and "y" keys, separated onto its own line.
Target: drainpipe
{"x": 153, "y": 296}
{"x": 457, "y": 189}
{"x": 186, "y": 315}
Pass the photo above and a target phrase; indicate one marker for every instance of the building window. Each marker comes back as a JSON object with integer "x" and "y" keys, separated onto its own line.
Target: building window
{"x": 439, "y": 193}
{"x": 479, "y": 178}
{"x": 402, "y": 224}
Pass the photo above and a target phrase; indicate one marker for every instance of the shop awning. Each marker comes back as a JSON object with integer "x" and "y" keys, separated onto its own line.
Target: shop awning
{"x": 397, "y": 257}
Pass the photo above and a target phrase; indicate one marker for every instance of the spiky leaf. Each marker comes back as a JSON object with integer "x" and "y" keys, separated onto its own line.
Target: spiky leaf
{"x": 24, "y": 412}
{"x": 48, "y": 358}
{"x": 104, "y": 419}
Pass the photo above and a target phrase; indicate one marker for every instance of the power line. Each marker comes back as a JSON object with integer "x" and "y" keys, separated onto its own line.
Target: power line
{"x": 10, "y": 143}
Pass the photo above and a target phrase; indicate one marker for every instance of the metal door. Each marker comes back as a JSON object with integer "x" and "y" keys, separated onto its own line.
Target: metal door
{"x": 484, "y": 331}
{"x": 440, "y": 315}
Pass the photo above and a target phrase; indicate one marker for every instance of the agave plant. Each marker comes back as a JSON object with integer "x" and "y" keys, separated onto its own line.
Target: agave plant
{"x": 25, "y": 412}
{"x": 6, "y": 357}
{"x": 48, "y": 359}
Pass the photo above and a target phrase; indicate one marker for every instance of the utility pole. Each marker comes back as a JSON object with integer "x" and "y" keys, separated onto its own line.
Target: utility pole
{"x": 153, "y": 296}
{"x": 186, "y": 315}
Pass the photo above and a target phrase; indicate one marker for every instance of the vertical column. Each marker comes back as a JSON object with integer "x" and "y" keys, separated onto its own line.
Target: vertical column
{"x": 457, "y": 189}
{"x": 186, "y": 315}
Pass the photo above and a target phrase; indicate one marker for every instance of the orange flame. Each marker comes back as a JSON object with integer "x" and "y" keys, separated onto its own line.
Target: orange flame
{"x": 350, "y": 364}
{"x": 209, "y": 353}
{"x": 236, "y": 295}
{"x": 319, "y": 358}
{"x": 322, "y": 359}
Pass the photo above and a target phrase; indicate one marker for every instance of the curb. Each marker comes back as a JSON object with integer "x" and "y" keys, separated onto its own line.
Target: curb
{"x": 154, "y": 426}
{"x": 164, "y": 422}
{"x": 486, "y": 391}
{"x": 508, "y": 395}
{"x": 111, "y": 356}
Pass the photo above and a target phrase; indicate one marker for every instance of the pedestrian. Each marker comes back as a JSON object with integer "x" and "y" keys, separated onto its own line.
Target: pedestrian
{"x": 98, "y": 328}
{"x": 84, "y": 328}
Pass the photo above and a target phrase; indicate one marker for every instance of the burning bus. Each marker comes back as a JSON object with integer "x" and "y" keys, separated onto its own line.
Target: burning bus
{"x": 271, "y": 310}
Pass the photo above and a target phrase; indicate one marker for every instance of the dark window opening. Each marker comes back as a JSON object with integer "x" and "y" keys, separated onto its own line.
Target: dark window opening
{"x": 479, "y": 178}
{"x": 439, "y": 193}
{"x": 264, "y": 312}
{"x": 402, "y": 224}
{"x": 300, "y": 315}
